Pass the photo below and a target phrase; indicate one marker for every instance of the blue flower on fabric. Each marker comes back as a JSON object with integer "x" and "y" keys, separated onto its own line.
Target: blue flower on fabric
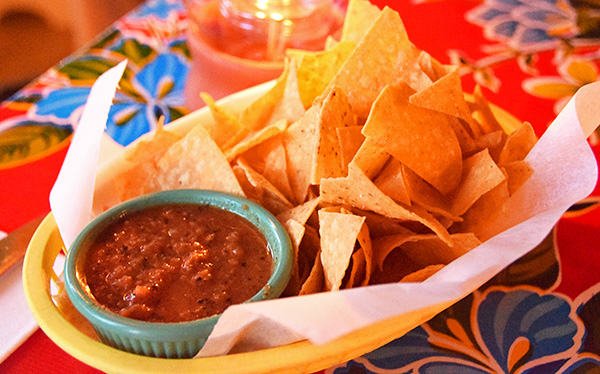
{"x": 159, "y": 91}
{"x": 526, "y": 25}
{"x": 520, "y": 330}
{"x": 161, "y": 85}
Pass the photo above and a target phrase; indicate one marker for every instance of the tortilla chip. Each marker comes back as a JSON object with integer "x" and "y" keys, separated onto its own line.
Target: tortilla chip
{"x": 144, "y": 155}
{"x": 350, "y": 139}
{"x": 359, "y": 191}
{"x": 518, "y": 144}
{"x": 391, "y": 182}
{"x": 339, "y": 234}
{"x": 482, "y": 112}
{"x": 300, "y": 213}
{"x": 256, "y": 115}
{"x": 316, "y": 279}
{"x": 256, "y": 138}
{"x": 370, "y": 157}
{"x": 423, "y": 194}
{"x": 386, "y": 244}
{"x": 296, "y": 232}
{"x": 518, "y": 172}
{"x": 360, "y": 16}
{"x": 384, "y": 56}
{"x": 421, "y": 139}
{"x": 195, "y": 161}
{"x": 275, "y": 169}
{"x": 316, "y": 69}
{"x": 357, "y": 269}
{"x": 258, "y": 188}
{"x": 290, "y": 106}
{"x": 480, "y": 175}
{"x": 311, "y": 143}
{"x": 444, "y": 95}
{"x": 226, "y": 125}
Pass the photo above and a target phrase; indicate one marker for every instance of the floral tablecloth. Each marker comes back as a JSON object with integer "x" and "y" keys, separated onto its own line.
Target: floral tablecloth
{"x": 540, "y": 315}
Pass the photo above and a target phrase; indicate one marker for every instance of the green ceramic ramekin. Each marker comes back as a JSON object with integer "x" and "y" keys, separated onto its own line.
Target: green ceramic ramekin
{"x": 182, "y": 339}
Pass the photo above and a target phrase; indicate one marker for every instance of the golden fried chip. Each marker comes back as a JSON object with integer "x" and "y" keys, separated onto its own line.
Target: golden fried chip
{"x": 258, "y": 188}
{"x": 444, "y": 95}
{"x": 482, "y": 112}
{"x": 296, "y": 232}
{"x": 360, "y": 16}
{"x": 370, "y": 157}
{"x": 311, "y": 143}
{"x": 358, "y": 191}
{"x": 315, "y": 282}
{"x": 384, "y": 56}
{"x": 424, "y": 195}
{"x": 226, "y": 127}
{"x": 478, "y": 217}
{"x": 518, "y": 172}
{"x": 480, "y": 175}
{"x": 316, "y": 69}
{"x": 338, "y": 232}
{"x": 421, "y": 139}
{"x": 357, "y": 269}
{"x": 386, "y": 244}
{"x": 518, "y": 144}
{"x": 144, "y": 155}
{"x": 300, "y": 213}
{"x": 289, "y": 106}
{"x": 195, "y": 161}
{"x": 350, "y": 139}
{"x": 256, "y": 138}
{"x": 275, "y": 169}
{"x": 391, "y": 182}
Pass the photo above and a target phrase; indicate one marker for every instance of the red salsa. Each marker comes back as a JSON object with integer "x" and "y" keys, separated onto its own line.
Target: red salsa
{"x": 178, "y": 262}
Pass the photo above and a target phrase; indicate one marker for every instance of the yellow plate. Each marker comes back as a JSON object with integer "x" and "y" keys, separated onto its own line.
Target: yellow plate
{"x": 301, "y": 357}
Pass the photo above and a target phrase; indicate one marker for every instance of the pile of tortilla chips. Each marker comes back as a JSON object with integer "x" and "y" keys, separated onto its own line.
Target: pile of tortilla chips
{"x": 369, "y": 153}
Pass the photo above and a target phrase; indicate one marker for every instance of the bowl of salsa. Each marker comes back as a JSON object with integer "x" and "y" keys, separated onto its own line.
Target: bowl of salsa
{"x": 153, "y": 274}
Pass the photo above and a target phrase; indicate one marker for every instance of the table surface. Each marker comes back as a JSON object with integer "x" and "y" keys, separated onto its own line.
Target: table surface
{"x": 540, "y": 315}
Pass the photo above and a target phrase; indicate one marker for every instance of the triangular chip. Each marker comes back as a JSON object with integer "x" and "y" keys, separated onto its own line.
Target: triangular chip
{"x": 420, "y": 138}
{"x": 195, "y": 161}
{"x": 226, "y": 128}
{"x": 518, "y": 144}
{"x": 256, "y": 138}
{"x": 338, "y": 233}
{"x": 391, "y": 182}
{"x": 444, "y": 95}
{"x": 360, "y": 16}
{"x": 350, "y": 139}
{"x": 384, "y": 56}
{"x": 258, "y": 188}
{"x": 316, "y": 69}
{"x": 480, "y": 175}
{"x": 290, "y": 106}
{"x": 359, "y": 191}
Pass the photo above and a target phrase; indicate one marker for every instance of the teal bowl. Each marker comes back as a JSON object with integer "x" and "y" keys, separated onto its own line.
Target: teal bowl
{"x": 173, "y": 339}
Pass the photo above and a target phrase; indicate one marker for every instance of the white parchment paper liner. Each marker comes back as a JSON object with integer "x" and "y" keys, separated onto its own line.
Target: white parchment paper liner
{"x": 565, "y": 172}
